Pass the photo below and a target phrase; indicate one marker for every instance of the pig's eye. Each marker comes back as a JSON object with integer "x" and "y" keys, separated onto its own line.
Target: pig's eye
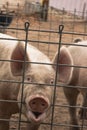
{"x": 52, "y": 81}
{"x": 29, "y": 79}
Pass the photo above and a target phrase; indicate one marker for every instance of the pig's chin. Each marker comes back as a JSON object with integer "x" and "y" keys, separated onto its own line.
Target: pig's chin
{"x": 36, "y": 117}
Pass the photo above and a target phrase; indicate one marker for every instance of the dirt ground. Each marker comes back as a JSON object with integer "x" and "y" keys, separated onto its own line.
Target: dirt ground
{"x": 47, "y": 41}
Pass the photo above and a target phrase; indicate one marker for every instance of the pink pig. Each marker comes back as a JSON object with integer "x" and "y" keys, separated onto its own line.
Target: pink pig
{"x": 36, "y": 83}
{"x": 74, "y": 77}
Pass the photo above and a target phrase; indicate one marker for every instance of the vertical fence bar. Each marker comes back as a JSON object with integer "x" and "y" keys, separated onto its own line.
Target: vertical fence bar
{"x": 26, "y": 39}
{"x": 73, "y": 24}
{"x": 61, "y": 27}
{"x": 84, "y": 111}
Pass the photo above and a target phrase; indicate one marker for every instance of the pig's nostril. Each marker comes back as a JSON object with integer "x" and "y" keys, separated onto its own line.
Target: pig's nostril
{"x": 33, "y": 103}
{"x": 43, "y": 104}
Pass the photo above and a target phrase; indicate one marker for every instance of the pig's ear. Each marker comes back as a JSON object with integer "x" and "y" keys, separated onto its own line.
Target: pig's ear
{"x": 18, "y": 54}
{"x": 64, "y": 72}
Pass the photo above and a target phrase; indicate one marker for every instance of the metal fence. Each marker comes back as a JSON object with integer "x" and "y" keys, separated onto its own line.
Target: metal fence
{"x": 60, "y": 29}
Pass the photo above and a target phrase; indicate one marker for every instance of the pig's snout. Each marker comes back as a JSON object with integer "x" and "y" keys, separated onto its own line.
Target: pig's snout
{"x": 37, "y": 108}
{"x": 38, "y": 104}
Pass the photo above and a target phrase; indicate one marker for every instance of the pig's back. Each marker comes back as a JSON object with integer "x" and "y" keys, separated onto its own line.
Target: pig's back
{"x": 8, "y": 43}
{"x": 79, "y": 53}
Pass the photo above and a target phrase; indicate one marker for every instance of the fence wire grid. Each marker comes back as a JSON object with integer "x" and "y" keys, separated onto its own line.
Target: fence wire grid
{"x": 60, "y": 29}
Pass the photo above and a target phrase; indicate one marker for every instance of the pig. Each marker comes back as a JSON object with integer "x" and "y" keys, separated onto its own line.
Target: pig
{"x": 30, "y": 82}
{"x": 76, "y": 40}
{"x": 74, "y": 78}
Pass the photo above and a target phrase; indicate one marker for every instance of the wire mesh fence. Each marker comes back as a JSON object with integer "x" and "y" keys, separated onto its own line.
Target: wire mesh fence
{"x": 60, "y": 29}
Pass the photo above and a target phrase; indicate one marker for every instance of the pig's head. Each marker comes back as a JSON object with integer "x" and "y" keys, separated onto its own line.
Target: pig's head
{"x": 37, "y": 90}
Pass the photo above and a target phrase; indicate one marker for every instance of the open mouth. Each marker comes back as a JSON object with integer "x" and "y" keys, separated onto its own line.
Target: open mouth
{"x": 36, "y": 116}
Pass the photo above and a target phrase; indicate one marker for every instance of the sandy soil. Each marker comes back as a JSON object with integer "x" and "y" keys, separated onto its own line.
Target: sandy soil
{"x": 48, "y": 43}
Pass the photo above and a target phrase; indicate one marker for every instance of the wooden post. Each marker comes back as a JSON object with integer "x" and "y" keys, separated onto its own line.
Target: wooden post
{"x": 44, "y": 11}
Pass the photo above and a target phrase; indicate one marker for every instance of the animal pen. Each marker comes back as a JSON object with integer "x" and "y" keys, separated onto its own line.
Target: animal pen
{"x": 61, "y": 28}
